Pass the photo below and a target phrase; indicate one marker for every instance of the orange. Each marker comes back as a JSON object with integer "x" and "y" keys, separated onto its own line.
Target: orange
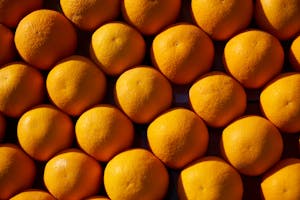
{"x": 33, "y": 195}
{"x": 294, "y": 54}
{"x": 253, "y": 58}
{"x": 278, "y": 17}
{"x": 17, "y": 170}
{"x": 12, "y": 11}
{"x": 116, "y": 46}
{"x": 72, "y": 175}
{"x": 251, "y": 144}
{"x": 2, "y": 126}
{"x": 280, "y": 102}
{"x": 221, "y": 19}
{"x": 210, "y": 178}
{"x": 217, "y": 98}
{"x": 7, "y": 51}
{"x": 177, "y": 137}
{"x": 44, "y": 131}
{"x": 75, "y": 84}
{"x": 90, "y": 14}
{"x": 142, "y": 93}
{"x": 97, "y": 198}
{"x": 150, "y": 17}
{"x": 182, "y": 52}
{"x": 104, "y": 131}
{"x": 135, "y": 174}
{"x": 44, "y": 37}
{"x": 282, "y": 181}
{"x": 21, "y": 87}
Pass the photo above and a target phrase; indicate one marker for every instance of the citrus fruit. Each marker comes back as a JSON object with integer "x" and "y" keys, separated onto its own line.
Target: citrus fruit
{"x": 251, "y": 144}
{"x": 97, "y": 198}
{"x": 116, "y": 46}
{"x": 182, "y": 52}
{"x": 43, "y": 37}
{"x": 7, "y": 51}
{"x": 75, "y": 84}
{"x": 210, "y": 178}
{"x": 2, "y": 126}
{"x": 135, "y": 174}
{"x": 142, "y": 93}
{"x": 33, "y": 195}
{"x": 217, "y": 98}
{"x": 294, "y": 54}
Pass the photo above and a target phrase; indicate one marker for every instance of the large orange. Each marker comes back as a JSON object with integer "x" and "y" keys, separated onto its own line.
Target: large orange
{"x": 7, "y": 50}
{"x": 2, "y": 126}
{"x": 33, "y": 195}
{"x": 182, "y": 52}
{"x": 294, "y": 54}
{"x": 97, "y": 198}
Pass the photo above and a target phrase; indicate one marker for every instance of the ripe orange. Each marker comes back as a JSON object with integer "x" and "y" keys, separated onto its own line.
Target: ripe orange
{"x": 44, "y": 131}
{"x": 182, "y": 52}
{"x": 75, "y": 84}
{"x": 294, "y": 54}
{"x": 251, "y": 144}
{"x": 135, "y": 174}
{"x": 116, "y": 47}
{"x": 90, "y": 14}
{"x": 104, "y": 131}
{"x": 150, "y": 17}
{"x": 253, "y": 57}
{"x": 177, "y": 137}
{"x": 282, "y": 181}
{"x": 278, "y": 17}
{"x": 2, "y": 126}
{"x": 21, "y": 87}
{"x": 72, "y": 175}
{"x": 280, "y": 102}
{"x": 222, "y": 19}
{"x": 44, "y": 37}
{"x": 97, "y": 198}
{"x": 33, "y": 195}
{"x": 217, "y": 98}
{"x": 210, "y": 178}
{"x": 7, "y": 50}
{"x": 17, "y": 171}
{"x": 142, "y": 93}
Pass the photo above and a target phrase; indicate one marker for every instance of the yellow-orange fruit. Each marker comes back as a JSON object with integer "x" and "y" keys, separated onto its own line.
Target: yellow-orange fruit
{"x": 294, "y": 54}
{"x": 33, "y": 195}
{"x": 7, "y": 50}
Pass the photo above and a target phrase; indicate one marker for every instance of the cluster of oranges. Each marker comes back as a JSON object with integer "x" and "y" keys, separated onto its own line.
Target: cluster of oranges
{"x": 103, "y": 122}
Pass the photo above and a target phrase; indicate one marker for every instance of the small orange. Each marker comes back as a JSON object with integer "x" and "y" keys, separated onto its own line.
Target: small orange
{"x": 177, "y": 137}
{"x": 210, "y": 178}
{"x": 282, "y": 181}
{"x": 72, "y": 174}
{"x": 17, "y": 170}
{"x": 280, "y": 102}
{"x": 150, "y": 17}
{"x": 33, "y": 195}
{"x": 142, "y": 93}
{"x": 217, "y": 98}
{"x": 182, "y": 52}
{"x": 2, "y": 126}
{"x": 116, "y": 46}
{"x": 44, "y": 131}
{"x": 104, "y": 131}
{"x": 97, "y": 198}
{"x": 253, "y": 57}
{"x": 21, "y": 87}
{"x": 7, "y": 50}
{"x": 294, "y": 54}
{"x": 44, "y": 37}
{"x": 135, "y": 174}
{"x": 251, "y": 144}
{"x": 75, "y": 84}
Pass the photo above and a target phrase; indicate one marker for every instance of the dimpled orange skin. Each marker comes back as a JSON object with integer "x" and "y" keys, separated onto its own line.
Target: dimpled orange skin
{"x": 44, "y": 37}
{"x": 251, "y": 144}
{"x": 182, "y": 52}
{"x": 150, "y": 17}
{"x": 221, "y": 19}
{"x": 177, "y": 137}
{"x": 12, "y": 11}
{"x": 72, "y": 174}
{"x": 253, "y": 57}
{"x": 210, "y": 178}
{"x": 116, "y": 47}
{"x": 278, "y": 17}
{"x": 135, "y": 174}
{"x": 294, "y": 54}
{"x": 217, "y": 98}
{"x": 2, "y": 126}
{"x": 104, "y": 131}
{"x": 282, "y": 181}
{"x": 21, "y": 88}
{"x": 17, "y": 171}
{"x": 76, "y": 84}
{"x": 280, "y": 102}
{"x": 142, "y": 93}
{"x": 7, "y": 50}
{"x": 90, "y": 14}
{"x": 44, "y": 131}
{"x": 33, "y": 195}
